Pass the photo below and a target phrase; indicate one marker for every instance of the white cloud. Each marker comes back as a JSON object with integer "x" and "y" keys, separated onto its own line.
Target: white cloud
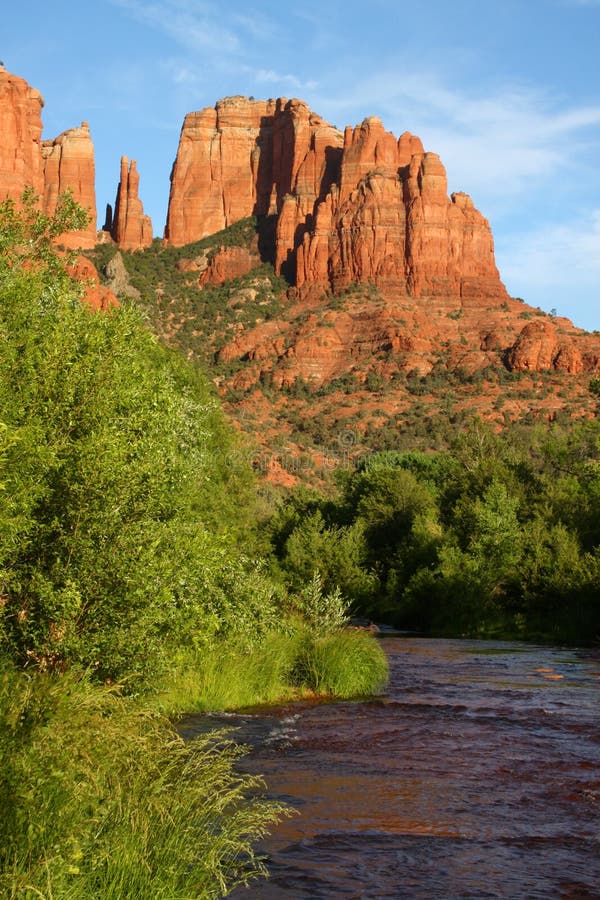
{"x": 557, "y": 266}
{"x": 269, "y": 76}
{"x": 194, "y": 25}
{"x": 556, "y": 254}
{"x": 257, "y": 26}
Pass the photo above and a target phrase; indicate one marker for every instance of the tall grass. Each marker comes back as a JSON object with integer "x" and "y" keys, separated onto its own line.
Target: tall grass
{"x": 101, "y": 799}
{"x": 231, "y": 675}
{"x": 344, "y": 663}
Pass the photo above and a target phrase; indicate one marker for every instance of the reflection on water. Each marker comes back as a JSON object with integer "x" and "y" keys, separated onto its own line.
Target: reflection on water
{"x": 477, "y": 775}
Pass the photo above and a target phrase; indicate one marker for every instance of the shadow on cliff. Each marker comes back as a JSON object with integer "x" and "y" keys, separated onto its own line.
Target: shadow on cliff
{"x": 276, "y": 176}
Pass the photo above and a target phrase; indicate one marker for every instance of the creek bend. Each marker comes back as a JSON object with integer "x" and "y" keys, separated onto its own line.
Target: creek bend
{"x": 476, "y": 775}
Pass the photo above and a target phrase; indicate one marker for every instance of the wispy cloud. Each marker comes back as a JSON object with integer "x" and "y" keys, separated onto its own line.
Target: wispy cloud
{"x": 269, "y": 76}
{"x": 557, "y": 265}
{"x": 258, "y": 26}
{"x": 195, "y": 25}
{"x": 231, "y": 49}
{"x": 556, "y": 254}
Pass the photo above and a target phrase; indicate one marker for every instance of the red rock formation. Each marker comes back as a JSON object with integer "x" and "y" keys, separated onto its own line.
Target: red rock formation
{"x": 130, "y": 228}
{"x": 392, "y": 223}
{"x": 95, "y": 295}
{"x": 49, "y": 167}
{"x": 241, "y": 158}
{"x": 362, "y": 207}
{"x": 21, "y": 132}
{"x": 539, "y": 347}
{"x": 228, "y": 263}
{"x": 69, "y": 165}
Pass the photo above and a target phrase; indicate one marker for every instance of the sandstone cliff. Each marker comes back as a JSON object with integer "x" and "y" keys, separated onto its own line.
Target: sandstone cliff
{"x": 241, "y": 158}
{"x": 359, "y": 207}
{"x": 69, "y": 165}
{"x": 21, "y": 160}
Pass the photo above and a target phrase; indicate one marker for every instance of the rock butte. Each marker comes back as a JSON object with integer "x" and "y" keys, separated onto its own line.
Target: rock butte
{"x": 358, "y": 206}
{"x": 353, "y": 207}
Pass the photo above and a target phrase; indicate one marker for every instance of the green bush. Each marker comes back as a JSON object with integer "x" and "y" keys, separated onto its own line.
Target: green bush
{"x": 118, "y": 512}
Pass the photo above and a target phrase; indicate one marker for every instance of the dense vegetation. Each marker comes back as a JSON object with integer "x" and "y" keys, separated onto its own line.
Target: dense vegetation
{"x": 131, "y": 588}
{"x": 499, "y": 536}
{"x": 198, "y": 320}
{"x": 145, "y": 573}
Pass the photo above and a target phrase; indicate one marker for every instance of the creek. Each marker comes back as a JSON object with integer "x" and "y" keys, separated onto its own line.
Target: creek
{"x": 476, "y": 775}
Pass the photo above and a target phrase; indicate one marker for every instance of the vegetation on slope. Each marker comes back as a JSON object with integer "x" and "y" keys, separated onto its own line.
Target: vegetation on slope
{"x": 378, "y": 404}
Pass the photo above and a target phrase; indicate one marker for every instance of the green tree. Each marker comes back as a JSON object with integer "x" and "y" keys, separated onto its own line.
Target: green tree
{"x": 116, "y": 545}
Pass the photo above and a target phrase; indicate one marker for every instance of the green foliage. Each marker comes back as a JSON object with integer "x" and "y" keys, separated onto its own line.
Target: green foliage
{"x": 197, "y": 320}
{"x": 28, "y": 235}
{"x": 498, "y": 536}
{"x": 337, "y": 553}
{"x": 118, "y": 510}
{"x": 124, "y": 500}
{"x": 346, "y": 664}
{"x": 285, "y": 663}
{"x": 324, "y": 613}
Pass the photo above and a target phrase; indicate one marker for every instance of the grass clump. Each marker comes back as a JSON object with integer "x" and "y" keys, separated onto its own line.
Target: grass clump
{"x": 101, "y": 798}
{"x": 347, "y": 663}
{"x": 283, "y": 665}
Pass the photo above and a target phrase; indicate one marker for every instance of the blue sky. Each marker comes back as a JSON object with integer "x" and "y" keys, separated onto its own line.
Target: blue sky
{"x": 508, "y": 93}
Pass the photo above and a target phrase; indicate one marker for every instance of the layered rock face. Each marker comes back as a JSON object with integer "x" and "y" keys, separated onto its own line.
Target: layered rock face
{"x": 130, "y": 228}
{"x": 358, "y": 207}
{"x": 69, "y": 165}
{"x": 241, "y": 158}
{"x": 49, "y": 167}
{"x": 390, "y": 221}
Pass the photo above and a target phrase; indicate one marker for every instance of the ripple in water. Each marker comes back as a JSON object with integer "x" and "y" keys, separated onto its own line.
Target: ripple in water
{"x": 477, "y": 775}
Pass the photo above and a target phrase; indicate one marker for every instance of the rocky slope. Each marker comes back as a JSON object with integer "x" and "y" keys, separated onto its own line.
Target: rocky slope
{"x": 319, "y": 378}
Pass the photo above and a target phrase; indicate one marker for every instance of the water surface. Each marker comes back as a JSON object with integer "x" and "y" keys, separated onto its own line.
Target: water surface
{"x": 476, "y": 775}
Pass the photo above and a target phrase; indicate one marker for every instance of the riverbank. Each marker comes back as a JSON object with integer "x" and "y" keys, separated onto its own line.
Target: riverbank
{"x": 103, "y": 799}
